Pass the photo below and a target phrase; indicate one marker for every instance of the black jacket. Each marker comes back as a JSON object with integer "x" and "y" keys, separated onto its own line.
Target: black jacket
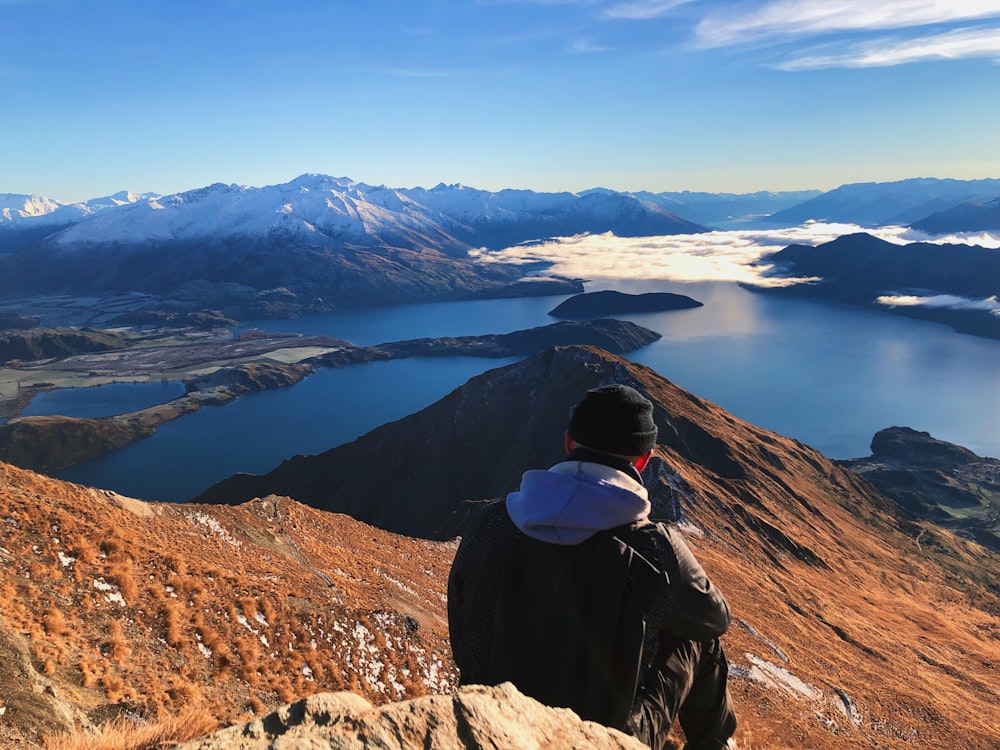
{"x": 684, "y": 604}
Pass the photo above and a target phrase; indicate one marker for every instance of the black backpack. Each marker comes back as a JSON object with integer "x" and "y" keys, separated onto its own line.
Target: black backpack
{"x": 571, "y": 622}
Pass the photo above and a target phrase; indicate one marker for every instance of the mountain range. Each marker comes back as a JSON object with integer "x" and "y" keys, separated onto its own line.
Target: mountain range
{"x": 903, "y": 202}
{"x": 855, "y": 624}
{"x": 321, "y": 243}
{"x": 314, "y": 244}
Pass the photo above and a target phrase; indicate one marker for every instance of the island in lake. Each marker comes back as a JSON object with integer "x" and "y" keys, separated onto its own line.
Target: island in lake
{"x": 609, "y": 302}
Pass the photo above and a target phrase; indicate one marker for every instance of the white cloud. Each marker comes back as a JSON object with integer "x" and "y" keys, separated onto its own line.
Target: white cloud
{"x": 884, "y": 52}
{"x": 983, "y": 239}
{"x": 586, "y": 46}
{"x": 794, "y": 17}
{"x": 709, "y": 256}
{"x": 990, "y": 304}
{"x": 643, "y": 9}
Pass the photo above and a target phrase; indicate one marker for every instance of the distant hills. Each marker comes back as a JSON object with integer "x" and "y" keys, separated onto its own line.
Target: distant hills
{"x": 953, "y": 284}
{"x": 873, "y": 204}
{"x": 965, "y": 217}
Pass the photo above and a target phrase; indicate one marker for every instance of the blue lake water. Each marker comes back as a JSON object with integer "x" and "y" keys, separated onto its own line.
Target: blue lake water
{"x": 828, "y": 375}
{"x": 103, "y": 401}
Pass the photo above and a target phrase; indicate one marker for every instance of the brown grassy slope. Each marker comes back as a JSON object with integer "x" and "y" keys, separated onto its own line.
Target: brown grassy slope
{"x": 113, "y": 605}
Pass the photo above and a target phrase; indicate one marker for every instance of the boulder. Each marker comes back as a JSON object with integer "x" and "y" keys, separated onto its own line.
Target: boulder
{"x": 475, "y": 717}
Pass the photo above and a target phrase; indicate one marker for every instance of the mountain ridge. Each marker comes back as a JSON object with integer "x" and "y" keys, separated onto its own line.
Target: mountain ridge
{"x": 848, "y": 629}
{"x": 884, "y": 203}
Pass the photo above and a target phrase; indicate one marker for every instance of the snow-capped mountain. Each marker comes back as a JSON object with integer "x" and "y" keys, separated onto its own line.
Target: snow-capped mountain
{"x": 322, "y": 242}
{"x": 38, "y": 210}
{"x": 321, "y": 210}
{"x": 312, "y": 209}
{"x": 15, "y": 206}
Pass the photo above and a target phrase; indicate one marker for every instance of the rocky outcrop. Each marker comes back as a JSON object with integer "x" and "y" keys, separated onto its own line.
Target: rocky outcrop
{"x": 936, "y": 480}
{"x": 476, "y": 717}
{"x": 609, "y": 302}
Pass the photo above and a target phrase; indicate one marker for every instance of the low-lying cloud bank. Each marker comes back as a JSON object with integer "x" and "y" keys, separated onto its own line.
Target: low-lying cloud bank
{"x": 950, "y": 301}
{"x": 724, "y": 255}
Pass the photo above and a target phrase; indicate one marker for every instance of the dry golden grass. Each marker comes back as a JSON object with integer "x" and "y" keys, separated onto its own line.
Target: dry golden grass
{"x": 158, "y": 607}
{"x": 126, "y": 734}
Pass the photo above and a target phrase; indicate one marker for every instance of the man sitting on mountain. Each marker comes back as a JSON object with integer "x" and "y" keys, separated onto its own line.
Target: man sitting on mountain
{"x": 568, "y": 590}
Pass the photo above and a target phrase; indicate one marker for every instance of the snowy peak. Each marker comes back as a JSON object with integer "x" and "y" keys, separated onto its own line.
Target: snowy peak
{"x": 15, "y": 206}
{"x": 318, "y": 209}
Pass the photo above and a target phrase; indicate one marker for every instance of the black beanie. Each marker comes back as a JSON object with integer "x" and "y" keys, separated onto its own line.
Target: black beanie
{"x": 614, "y": 419}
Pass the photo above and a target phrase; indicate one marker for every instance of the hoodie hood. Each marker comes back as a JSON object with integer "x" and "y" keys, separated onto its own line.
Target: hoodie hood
{"x": 574, "y": 500}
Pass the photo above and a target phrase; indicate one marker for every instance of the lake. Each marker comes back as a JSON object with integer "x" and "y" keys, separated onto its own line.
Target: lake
{"x": 826, "y": 374}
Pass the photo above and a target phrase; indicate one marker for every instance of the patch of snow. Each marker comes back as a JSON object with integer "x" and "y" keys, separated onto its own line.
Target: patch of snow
{"x": 396, "y": 582}
{"x": 263, "y": 640}
{"x": 111, "y": 593}
{"x": 205, "y": 650}
{"x": 243, "y": 621}
{"x": 771, "y": 675}
{"x": 307, "y": 671}
{"x": 213, "y": 525}
{"x": 754, "y": 632}
{"x": 65, "y": 560}
{"x": 261, "y": 619}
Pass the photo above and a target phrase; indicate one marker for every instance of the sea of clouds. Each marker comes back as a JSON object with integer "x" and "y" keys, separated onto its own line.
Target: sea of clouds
{"x": 732, "y": 255}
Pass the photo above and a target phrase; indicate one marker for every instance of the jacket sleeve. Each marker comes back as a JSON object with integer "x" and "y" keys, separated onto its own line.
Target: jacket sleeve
{"x": 696, "y": 609}
{"x": 455, "y": 602}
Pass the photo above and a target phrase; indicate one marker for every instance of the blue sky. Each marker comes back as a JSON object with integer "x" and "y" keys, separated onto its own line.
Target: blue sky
{"x": 106, "y": 95}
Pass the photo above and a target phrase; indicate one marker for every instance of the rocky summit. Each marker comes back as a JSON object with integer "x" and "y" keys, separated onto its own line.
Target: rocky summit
{"x": 855, "y": 624}
{"x": 474, "y": 717}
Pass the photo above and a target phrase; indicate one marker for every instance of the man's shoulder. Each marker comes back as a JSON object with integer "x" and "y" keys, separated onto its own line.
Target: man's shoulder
{"x": 487, "y": 522}
{"x": 485, "y": 513}
{"x": 654, "y": 540}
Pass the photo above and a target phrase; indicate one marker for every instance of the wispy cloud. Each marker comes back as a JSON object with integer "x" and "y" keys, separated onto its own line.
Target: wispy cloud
{"x": 794, "y": 17}
{"x": 423, "y": 73}
{"x": 643, "y": 9}
{"x": 710, "y": 256}
{"x": 990, "y": 304}
{"x": 586, "y": 46}
{"x": 953, "y": 45}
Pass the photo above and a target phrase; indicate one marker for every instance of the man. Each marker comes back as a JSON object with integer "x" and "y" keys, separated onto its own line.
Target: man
{"x": 567, "y": 590}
